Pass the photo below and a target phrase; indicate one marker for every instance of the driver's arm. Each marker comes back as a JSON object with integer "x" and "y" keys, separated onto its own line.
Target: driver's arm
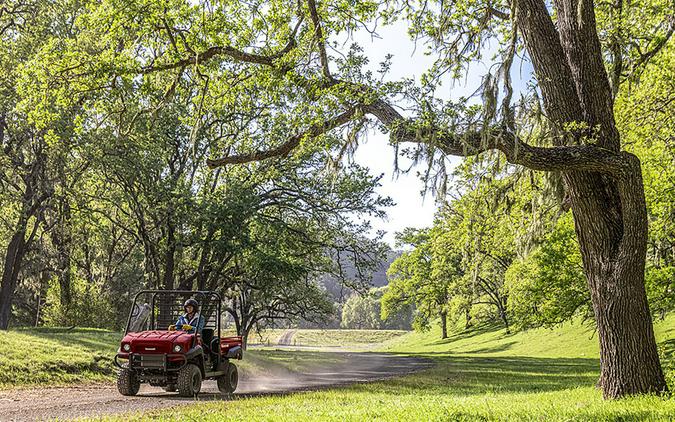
{"x": 178, "y": 324}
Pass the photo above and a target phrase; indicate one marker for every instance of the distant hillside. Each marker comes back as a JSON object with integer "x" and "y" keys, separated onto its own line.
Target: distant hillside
{"x": 340, "y": 292}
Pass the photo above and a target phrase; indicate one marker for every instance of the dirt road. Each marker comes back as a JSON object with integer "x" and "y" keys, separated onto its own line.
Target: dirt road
{"x": 90, "y": 401}
{"x": 285, "y": 339}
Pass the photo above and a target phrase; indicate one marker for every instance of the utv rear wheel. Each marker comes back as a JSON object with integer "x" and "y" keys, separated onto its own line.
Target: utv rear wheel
{"x": 228, "y": 383}
{"x": 127, "y": 382}
{"x": 189, "y": 380}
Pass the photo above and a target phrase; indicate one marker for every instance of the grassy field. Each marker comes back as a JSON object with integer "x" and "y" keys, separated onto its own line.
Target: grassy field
{"x": 484, "y": 374}
{"x": 56, "y": 356}
{"x": 572, "y": 339}
{"x": 331, "y": 338}
{"x": 344, "y": 337}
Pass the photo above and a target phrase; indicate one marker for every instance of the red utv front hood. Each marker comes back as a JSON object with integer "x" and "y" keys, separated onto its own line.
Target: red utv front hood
{"x": 157, "y": 341}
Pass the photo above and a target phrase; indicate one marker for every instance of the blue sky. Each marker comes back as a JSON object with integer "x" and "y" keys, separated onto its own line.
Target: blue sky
{"x": 412, "y": 209}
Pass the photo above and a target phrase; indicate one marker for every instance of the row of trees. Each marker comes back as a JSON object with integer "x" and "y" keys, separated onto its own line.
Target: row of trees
{"x": 364, "y": 311}
{"x": 98, "y": 205}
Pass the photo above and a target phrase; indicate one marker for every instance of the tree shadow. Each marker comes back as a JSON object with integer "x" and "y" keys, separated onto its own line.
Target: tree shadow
{"x": 499, "y": 348}
{"x": 473, "y": 375}
{"x": 468, "y": 333}
{"x": 668, "y": 349}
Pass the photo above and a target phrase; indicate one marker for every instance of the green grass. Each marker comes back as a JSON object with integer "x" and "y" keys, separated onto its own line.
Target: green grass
{"x": 571, "y": 339}
{"x": 344, "y": 337}
{"x": 266, "y": 337}
{"x": 60, "y": 356}
{"x": 330, "y": 338}
{"x": 56, "y": 356}
{"x": 484, "y": 374}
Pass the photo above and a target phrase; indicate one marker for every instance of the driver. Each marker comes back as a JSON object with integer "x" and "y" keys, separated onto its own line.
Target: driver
{"x": 192, "y": 322}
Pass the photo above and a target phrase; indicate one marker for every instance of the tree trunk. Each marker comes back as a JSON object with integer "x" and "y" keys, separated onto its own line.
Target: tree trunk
{"x": 503, "y": 315}
{"x": 467, "y": 316}
{"x": 13, "y": 259}
{"x": 170, "y": 257}
{"x": 62, "y": 239}
{"x": 444, "y": 325}
{"x": 505, "y": 320}
{"x": 609, "y": 209}
{"x": 44, "y": 283}
{"x": 244, "y": 338}
{"x": 611, "y": 224}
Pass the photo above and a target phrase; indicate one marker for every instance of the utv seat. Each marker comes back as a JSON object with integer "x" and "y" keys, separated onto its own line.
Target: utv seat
{"x": 207, "y": 336}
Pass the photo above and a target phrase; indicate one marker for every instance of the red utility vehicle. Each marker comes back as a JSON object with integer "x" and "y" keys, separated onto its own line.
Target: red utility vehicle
{"x": 175, "y": 360}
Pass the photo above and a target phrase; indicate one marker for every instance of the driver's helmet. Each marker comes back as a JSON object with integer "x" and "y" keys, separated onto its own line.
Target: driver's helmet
{"x": 192, "y": 302}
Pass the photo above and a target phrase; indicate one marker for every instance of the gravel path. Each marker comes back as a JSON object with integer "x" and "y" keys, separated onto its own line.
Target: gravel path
{"x": 91, "y": 401}
{"x": 286, "y": 337}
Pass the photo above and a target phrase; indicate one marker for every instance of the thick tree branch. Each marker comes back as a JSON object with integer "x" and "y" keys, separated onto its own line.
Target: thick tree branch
{"x": 228, "y": 51}
{"x": 288, "y": 146}
{"x": 498, "y": 13}
{"x": 647, "y": 56}
{"x": 579, "y": 38}
{"x": 550, "y": 65}
{"x": 561, "y": 158}
{"x": 318, "y": 32}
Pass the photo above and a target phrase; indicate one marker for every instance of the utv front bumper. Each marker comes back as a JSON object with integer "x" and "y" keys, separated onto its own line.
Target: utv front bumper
{"x": 161, "y": 362}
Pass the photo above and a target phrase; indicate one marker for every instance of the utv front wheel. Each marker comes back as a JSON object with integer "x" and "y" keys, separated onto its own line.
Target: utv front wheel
{"x": 189, "y": 380}
{"x": 127, "y": 382}
{"x": 228, "y": 383}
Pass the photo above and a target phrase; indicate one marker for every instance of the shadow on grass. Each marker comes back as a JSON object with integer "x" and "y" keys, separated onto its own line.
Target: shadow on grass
{"x": 473, "y": 332}
{"x": 668, "y": 349}
{"x": 479, "y": 375}
{"x": 499, "y": 348}
{"x": 468, "y": 333}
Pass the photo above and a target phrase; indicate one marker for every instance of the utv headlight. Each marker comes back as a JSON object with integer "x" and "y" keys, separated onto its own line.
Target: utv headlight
{"x": 178, "y": 348}
{"x": 126, "y": 347}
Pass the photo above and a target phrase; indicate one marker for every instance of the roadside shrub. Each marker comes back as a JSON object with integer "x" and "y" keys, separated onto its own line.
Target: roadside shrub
{"x": 89, "y": 306}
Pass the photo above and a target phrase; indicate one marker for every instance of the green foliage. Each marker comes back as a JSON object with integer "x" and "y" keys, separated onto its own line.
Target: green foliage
{"x": 364, "y": 312}
{"x": 548, "y": 286}
{"x": 412, "y": 281}
{"x": 90, "y": 306}
{"x": 361, "y": 312}
{"x": 646, "y": 118}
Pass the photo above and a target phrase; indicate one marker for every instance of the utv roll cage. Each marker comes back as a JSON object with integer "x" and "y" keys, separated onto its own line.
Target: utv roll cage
{"x": 157, "y": 309}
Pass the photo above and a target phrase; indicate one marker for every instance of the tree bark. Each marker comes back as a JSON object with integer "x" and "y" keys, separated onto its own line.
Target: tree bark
{"x": 505, "y": 319}
{"x": 16, "y": 251}
{"x": 170, "y": 257}
{"x": 444, "y": 325}
{"x": 62, "y": 239}
{"x": 467, "y": 316}
{"x": 614, "y": 262}
{"x": 609, "y": 208}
